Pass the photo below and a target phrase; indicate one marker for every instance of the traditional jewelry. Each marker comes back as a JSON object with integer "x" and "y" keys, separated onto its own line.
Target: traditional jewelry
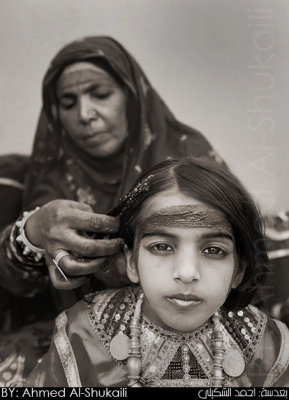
{"x": 234, "y": 363}
{"x": 134, "y": 356}
{"x": 186, "y": 362}
{"x": 56, "y": 261}
{"x": 29, "y": 248}
{"x": 224, "y": 360}
{"x": 119, "y": 346}
{"x": 218, "y": 352}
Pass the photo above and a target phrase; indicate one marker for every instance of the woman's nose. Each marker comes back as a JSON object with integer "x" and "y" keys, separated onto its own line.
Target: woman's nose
{"x": 187, "y": 268}
{"x": 86, "y": 109}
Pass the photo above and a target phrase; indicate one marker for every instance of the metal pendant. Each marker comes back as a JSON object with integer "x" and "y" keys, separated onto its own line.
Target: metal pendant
{"x": 119, "y": 346}
{"x": 233, "y": 363}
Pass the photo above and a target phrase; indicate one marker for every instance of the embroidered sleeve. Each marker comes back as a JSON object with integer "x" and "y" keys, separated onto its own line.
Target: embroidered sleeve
{"x": 58, "y": 367}
{"x": 65, "y": 352}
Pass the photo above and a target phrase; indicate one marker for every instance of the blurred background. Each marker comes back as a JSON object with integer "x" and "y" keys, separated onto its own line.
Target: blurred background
{"x": 221, "y": 66}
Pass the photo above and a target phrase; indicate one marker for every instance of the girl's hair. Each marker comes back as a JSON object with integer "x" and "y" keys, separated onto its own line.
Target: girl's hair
{"x": 213, "y": 184}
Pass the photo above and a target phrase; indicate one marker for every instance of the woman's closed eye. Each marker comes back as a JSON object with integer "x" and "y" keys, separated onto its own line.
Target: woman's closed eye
{"x": 101, "y": 94}
{"x": 67, "y": 102}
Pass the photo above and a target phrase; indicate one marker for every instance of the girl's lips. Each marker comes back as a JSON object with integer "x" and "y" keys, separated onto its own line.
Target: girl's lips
{"x": 182, "y": 300}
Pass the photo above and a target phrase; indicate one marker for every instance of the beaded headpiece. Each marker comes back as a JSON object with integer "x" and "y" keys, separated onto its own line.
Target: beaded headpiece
{"x": 132, "y": 197}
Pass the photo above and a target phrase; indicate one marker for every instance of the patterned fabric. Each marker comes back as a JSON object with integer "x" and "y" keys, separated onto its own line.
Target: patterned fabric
{"x": 90, "y": 326}
{"x": 12, "y": 172}
{"x": 161, "y": 350}
{"x": 60, "y": 170}
{"x": 20, "y": 351}
{"x": 67, "y": 356}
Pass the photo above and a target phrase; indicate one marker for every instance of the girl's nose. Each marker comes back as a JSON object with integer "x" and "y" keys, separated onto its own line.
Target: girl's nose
{"x": 187, "y": 267}
{"x": 86, "y": 109}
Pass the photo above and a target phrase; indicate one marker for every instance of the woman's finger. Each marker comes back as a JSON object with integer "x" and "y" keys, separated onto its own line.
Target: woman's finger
{"x": 57, "y": 279}
{"x": 80, "y": 206}
{"x": 90, "y": 222}
{"x": 72, "y": 266}
{"x": 73, "y": 242}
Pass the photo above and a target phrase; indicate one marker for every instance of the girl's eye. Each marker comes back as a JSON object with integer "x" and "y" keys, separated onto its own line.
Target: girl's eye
{"x": 213, "y": 250}
{"x": 161, "y": 248}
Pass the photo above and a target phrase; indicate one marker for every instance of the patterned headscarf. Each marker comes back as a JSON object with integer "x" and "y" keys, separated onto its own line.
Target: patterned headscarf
{"x": 59, "y": 169}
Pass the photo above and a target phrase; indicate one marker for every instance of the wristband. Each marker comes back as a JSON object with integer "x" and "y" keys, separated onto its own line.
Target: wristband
{"x": 28, "y": 247}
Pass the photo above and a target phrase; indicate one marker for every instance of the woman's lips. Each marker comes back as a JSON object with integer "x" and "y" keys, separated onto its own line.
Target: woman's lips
{"x": 184, "y": 300}
{"x": 95, "y": 136}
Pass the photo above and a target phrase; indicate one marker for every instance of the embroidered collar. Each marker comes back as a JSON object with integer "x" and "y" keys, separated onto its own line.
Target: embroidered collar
{"x": 110, "y": 312}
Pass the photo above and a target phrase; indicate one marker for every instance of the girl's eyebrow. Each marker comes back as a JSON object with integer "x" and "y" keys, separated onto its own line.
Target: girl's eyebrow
{"x": 158, "y": 233}
{"x": 209, "y": 235}
{"x": 222, "y": 235}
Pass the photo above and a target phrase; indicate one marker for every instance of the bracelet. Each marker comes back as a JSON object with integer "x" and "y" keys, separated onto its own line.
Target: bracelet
{"x": 22, "y": 238}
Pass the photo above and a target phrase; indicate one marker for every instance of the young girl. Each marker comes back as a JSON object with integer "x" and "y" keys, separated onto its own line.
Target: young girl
{"x": 195, "y": 255}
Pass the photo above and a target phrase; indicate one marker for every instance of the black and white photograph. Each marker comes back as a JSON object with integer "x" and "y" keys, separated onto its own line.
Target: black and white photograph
{"x": 144, "y": 196}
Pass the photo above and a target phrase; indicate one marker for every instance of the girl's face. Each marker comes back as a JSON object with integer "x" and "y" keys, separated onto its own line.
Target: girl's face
{"x": 92, "y": 109}
{"x": 185, "y": 259}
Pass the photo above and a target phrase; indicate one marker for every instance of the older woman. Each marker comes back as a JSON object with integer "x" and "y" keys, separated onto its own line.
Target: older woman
{"x": 102, "y": 124}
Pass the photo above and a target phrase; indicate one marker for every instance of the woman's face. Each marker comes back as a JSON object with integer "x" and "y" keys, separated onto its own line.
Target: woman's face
{"x": 92, "y": 109}
{"x": 185, "y": 259}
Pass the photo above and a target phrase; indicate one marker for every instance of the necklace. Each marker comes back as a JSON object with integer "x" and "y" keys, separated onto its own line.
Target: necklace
{"x": 134, "y": 355}
{"x": 218, "y": 352}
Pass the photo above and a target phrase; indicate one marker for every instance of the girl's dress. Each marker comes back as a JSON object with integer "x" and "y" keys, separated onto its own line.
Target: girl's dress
{"x": 256, "y": 348}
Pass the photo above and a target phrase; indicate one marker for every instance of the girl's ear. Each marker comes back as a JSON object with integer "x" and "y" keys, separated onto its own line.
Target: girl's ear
{"x": 239, "y": 274}
{"x": 131, "y": 269}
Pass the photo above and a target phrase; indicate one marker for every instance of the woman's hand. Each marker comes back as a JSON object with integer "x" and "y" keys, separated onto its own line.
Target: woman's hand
{"x": 57, "y": 226}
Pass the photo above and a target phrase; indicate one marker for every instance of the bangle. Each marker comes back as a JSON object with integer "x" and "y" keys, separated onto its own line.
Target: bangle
{"x": 22, "y": 238}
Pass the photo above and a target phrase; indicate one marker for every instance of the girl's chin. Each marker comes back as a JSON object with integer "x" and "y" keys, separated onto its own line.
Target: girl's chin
{"x": 184, "y": 321}
{"x": 180, "y": 326}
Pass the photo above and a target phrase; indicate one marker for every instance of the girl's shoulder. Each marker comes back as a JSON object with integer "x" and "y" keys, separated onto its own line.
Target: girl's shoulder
{"x": 264, "y": 342}
{"x": 99, "y": 310}
{"x": 275, "y": 350}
